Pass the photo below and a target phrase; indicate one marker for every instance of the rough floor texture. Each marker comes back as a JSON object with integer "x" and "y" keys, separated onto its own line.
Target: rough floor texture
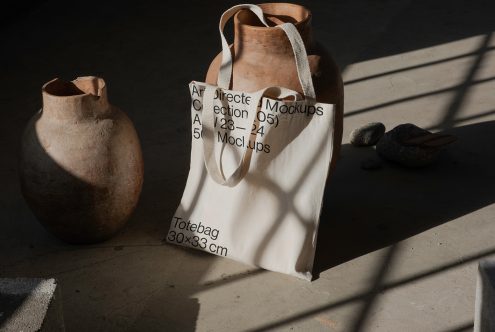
{"x": 30, "y": 305}
{"x": 398, "y": 248}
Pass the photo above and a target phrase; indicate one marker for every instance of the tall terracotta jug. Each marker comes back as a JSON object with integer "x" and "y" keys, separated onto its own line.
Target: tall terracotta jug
{"x": 81, "y": 167}
{"x": 263, "y": 57}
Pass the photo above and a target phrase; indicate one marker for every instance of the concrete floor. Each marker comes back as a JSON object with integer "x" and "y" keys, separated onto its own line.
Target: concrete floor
{"x": 398, "y": 248}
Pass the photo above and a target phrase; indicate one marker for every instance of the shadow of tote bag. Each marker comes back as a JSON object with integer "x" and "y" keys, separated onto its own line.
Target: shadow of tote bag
{"x": 259, "y": 162}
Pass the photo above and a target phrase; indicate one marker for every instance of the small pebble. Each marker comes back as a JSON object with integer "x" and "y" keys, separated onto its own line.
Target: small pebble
{"x": 371, "y": 164}
{"x": 368, "y": 134}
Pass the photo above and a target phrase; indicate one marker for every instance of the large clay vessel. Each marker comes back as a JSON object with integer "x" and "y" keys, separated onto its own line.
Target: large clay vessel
{"x": 263, "y": 57}
{"x": 81, "y": 167}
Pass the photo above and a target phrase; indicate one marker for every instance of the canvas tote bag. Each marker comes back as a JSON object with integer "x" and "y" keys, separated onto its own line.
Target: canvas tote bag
{"x": 259, "y": 162}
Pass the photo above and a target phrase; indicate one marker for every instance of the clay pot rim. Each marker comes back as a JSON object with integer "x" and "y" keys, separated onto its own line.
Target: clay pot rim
{"x": 101, "y": 88}
{"x": 298, "y": 24}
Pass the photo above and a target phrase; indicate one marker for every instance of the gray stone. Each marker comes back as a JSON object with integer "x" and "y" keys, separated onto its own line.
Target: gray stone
{"x": 484, "y": 318}
{"x": 368, "y": 134}
{"x": 30, "y": 304}
{"x": 371, "y": 164}
{"x": 394, "y": 146}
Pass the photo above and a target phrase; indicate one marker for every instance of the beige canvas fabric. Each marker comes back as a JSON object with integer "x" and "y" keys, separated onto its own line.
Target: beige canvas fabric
{"x": 259, "y": 162}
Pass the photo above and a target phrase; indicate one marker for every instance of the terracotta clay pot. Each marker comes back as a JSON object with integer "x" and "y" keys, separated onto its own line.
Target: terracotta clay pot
{"x": 263, "y": 57}
{"x": 81, "y": 167}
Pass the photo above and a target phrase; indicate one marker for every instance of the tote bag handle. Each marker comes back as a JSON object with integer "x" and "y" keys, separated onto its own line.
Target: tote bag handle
{"x": 300, "y": 55}
{"x": 208, "y": 135}
{"x": 223, "y": 82}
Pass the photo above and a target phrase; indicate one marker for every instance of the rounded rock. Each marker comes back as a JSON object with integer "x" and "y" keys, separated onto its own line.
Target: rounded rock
{"x": 368, "y": 134}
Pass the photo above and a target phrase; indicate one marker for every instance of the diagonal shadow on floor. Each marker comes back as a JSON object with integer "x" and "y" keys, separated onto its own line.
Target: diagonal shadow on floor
{"x": 368, "y": 210}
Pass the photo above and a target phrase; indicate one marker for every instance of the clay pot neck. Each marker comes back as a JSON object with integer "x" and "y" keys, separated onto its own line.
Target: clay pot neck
{"x": 84, "y": 97}
{"x": 252, "y": 36}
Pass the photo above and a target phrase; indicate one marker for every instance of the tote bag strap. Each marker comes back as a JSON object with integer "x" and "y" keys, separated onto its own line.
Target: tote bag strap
{"x": 300, "y": 55}
{"x": 225, "y": 71}
{"x": 208, "y": 135}
{"x": 224, "y": 76}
